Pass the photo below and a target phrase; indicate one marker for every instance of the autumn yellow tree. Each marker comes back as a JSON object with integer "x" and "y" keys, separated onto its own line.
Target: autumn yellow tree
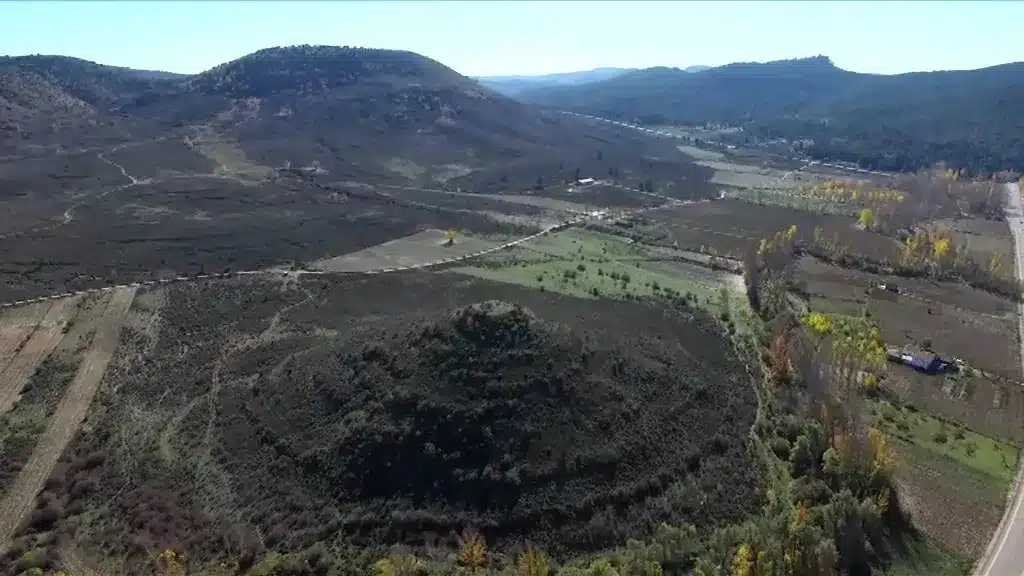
{"x": 449, "y": 237}
{"x": 533, "y": 562}
{"x": 867, "y": 219}
{"x": 941, "y": 248}
{"x": 472, "y": 550}
{"x": 743, "y": 563}
{"x": 173, "y": 562}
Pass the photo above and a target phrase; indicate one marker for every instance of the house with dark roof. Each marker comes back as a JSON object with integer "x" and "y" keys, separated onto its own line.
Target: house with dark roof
{"x": 920, "y": 360}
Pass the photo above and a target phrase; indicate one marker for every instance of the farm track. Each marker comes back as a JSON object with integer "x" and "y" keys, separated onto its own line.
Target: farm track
{"x": 45, "y": 337}
{"x": 69, "y": 415}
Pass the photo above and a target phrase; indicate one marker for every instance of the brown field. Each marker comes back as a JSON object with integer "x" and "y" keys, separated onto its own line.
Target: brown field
{"x": 19, "y": 498}
{"x": 423, "y": 248}
{"x": 980, "y": 236}
{"x": 946, "y": 501}
{"x": 960, "y": 321}
{"x": 44, "y": 338}
{"x": 990, "y": 406}
{"x": 731, "y": 226}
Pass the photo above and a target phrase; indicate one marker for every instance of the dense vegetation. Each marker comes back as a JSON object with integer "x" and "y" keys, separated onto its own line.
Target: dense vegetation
{"x": 406, "y": 426}
{"x": 969, "y": 119}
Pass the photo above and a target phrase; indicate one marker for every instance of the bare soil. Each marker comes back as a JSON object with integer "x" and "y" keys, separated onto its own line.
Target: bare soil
{"x": 960, "y": 321}
{"x": 423, "y": 248}
{"x": 733, "y": 226}
{"x": 945, "y": 502}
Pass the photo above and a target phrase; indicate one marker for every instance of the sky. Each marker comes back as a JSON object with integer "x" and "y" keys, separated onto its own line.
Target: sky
{"x": 526, "y": 37}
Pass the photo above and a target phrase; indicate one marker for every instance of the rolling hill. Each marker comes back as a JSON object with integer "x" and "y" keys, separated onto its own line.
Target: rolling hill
{"x": 969, "y": 119}
{"x": 156, "y": 171}
{"x": 360, "y": 113}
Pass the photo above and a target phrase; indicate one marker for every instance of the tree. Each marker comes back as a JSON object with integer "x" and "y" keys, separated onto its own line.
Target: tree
{"x": 867, "y": 219}
{"x": 941, "y": 248}
{"x": 472, "y": 550}
{"x": 449, "y": 237}
{"x": 781, "y": 363}
{"x": 533, "y": 562}
{"x": 752, "y": 279}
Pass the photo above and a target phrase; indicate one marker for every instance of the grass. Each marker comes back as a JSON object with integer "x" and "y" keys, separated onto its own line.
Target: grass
{"x": 590, "y": 264}
{"x": 791, "y": 198}
{"x": 924, "y": 557}
{"x": 991, "y": 459}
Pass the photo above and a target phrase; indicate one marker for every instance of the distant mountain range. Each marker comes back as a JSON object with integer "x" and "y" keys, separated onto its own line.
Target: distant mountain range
{"x": 972, "y": 119}
{"x": 518, "y": 85}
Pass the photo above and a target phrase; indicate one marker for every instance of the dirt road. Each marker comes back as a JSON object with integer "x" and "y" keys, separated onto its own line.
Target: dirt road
{"x": 69, "y": 415}
{"x": 1005, "y": 554}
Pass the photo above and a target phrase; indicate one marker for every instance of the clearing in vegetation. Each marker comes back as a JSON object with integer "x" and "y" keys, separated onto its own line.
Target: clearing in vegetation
{"x": 590, "y": 264}
{"x": 424, "y": 247}
{"x": 69, "y": 414}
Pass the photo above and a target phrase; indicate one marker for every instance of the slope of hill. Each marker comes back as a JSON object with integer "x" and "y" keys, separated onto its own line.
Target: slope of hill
{"x": 352, "y": 112}
{"x": 967, "y": 118}
{"x": 399, "y": 410}
{"x": 158, "y": 173}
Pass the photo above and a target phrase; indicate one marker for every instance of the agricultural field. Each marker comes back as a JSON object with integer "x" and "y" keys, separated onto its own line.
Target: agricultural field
{"x": 731, "y": 227}
{"x": 425, "y": 247}
{"x": 987, "y": 238}
{"x": 315, "y": 382}
{"x": 956, "y": 437}
{"x": 53, "y": 388}
{"x": 590, "y": 264}
{"x": 953, "y": 480}
{"x": 956, "y": 320}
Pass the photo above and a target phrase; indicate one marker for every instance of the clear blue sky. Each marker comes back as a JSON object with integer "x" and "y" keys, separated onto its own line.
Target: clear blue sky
{"x": 486, "y": 38}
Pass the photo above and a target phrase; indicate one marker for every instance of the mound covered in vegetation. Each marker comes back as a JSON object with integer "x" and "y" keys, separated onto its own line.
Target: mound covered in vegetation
{"x": 492, "y": 417}
{"x": 352, "y": 416}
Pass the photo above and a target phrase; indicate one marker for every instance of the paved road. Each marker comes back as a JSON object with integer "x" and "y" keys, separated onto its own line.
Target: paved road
{"x": 1005, "y": 554}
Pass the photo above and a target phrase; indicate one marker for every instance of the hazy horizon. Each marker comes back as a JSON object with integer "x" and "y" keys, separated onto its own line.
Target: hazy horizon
{"x": 528, "y": 38}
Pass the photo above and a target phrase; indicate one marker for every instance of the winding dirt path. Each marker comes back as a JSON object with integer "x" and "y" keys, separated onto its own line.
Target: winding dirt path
{"x": 69, "y": 415}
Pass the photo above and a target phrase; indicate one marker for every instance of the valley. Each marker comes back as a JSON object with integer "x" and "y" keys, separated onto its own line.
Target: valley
{"x": 468, "y": 334}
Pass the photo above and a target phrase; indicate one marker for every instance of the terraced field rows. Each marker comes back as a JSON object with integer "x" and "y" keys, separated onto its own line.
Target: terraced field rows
{"x": 45, "y": 337}
{"x": 69, "y": 415}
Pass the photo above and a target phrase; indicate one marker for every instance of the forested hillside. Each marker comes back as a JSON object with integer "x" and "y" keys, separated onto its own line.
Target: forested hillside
{"x": 970, "y": 119}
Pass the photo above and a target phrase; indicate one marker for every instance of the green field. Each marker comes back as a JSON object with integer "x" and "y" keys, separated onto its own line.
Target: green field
{"x": 790, "y": 197}
{"x": 991, "y": 459}
{"x": 591, "y": 264}
{"x": 923, "y": 557}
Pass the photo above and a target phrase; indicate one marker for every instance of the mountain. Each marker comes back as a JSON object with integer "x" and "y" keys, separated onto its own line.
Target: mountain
{"x": 351, "y": 111}
{"x": 969, "y": 118}
{"x": 514, "y": 85}
{"x": 256, "y": 161}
